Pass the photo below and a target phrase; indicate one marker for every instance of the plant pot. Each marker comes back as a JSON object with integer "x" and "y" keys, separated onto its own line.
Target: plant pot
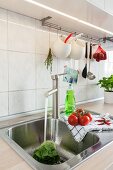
{"x": 61, "y": 49}
{"x": 108, "y": 97}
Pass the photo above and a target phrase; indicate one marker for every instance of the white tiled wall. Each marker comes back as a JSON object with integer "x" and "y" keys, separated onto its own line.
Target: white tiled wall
{"x": 24, "y": 79}
{"x": 21, "y": 101}
{"x": 21, "y": 71}
{"x": 109, "y": 64}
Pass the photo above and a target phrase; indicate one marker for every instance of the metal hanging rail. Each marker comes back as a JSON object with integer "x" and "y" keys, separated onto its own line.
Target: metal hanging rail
{"x": 83, "y": 36}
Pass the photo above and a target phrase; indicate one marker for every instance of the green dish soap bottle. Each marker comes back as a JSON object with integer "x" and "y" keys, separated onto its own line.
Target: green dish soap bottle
{"x": 69, "y": 100}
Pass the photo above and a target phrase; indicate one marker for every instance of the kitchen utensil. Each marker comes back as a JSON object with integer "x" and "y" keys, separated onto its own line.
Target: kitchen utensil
{"x": 84, "y": 72}
{"x": 61, "y": 49}
{"x": 67, "y": 38}
{"x": 70, "y": 35}
{"x": 90, "y": 75}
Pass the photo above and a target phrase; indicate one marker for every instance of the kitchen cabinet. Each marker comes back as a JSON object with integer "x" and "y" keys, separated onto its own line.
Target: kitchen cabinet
{"x": 109, "y": 6}
{"x": 98, "y": 3}
{"x": 66, "y": 14}
{"x": 105, "y": 5}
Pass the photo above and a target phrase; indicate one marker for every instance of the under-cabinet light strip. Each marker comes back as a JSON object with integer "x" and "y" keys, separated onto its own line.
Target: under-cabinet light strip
{"x": 68, "y": 16}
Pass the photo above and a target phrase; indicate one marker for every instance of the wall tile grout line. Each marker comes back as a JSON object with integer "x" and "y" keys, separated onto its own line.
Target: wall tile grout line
{"x": 8, "y": 62}
{"x": 35, "y": 68}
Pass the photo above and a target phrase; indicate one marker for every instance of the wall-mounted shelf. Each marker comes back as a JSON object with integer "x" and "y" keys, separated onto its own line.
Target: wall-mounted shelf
{"x": 80, "y": 9}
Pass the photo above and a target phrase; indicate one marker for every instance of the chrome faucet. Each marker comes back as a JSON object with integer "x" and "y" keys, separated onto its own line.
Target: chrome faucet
{"x": 55, "y": 93}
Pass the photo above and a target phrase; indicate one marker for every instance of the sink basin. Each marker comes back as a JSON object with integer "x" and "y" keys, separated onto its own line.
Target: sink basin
{"x": 26, "y": 137}
{"x": 30, "y": 135}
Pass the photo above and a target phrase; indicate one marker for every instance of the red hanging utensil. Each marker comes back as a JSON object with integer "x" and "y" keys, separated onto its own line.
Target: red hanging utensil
{"x": 67, "y": 38}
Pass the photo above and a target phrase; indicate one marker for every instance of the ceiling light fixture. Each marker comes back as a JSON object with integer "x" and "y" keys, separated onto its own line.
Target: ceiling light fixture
{"x": 69, "y": 16}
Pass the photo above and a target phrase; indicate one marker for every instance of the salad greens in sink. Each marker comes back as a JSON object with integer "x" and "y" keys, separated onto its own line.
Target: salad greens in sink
{"x": 46, "y": 153}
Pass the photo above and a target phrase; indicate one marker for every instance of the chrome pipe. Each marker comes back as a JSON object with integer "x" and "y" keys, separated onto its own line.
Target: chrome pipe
{"x": 49, "y": 93}
{"x": 55, "y": 93}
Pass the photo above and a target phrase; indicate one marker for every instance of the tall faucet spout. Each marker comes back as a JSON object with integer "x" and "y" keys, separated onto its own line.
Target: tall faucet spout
{"x": 55, "y": 93}
{"x": 49, "y": 93}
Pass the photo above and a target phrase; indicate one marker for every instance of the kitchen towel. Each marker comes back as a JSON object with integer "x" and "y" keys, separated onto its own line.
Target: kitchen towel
{"x": 79, "y": 132}
{"x": 71, "y": 76}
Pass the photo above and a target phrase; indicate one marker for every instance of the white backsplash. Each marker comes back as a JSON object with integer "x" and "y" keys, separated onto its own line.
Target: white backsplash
{"x": 24, "y": 79}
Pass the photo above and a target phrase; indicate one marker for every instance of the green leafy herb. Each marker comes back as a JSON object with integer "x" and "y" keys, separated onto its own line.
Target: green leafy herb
{"x": 106, "y": 83}
{"x": 46, "y": 153}
{"x": 49, "y": 60}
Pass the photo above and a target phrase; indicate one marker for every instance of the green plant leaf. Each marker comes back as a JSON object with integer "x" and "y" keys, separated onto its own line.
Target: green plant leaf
{"x": 106, "y": 83}
{"x": 46, "y": 153}
{"x": 49, "y": 60}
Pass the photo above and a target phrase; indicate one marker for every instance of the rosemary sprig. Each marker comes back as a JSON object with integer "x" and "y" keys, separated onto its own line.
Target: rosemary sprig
{"x": 49, "y": 60}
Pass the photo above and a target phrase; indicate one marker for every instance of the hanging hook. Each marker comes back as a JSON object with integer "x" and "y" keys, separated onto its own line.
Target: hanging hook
{"x": 49, "y": 36}
{"x": 104, "y": 40}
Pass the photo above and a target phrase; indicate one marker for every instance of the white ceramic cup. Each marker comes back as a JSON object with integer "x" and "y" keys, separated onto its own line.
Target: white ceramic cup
{"x": 77, "y": 49}
{"x": 61, "y": 49}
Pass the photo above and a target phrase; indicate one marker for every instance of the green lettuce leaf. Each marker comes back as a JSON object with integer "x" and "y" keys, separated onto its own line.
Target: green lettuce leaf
{"x": 46, "y": 153}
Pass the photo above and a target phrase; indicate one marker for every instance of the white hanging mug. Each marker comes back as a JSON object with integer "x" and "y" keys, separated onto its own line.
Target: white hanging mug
{"x": 61, "y": 49}
{"x": 77, "y": 49}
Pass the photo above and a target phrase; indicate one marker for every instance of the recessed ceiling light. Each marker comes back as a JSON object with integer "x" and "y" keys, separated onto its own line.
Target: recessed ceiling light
{"x": 68, "y": 16}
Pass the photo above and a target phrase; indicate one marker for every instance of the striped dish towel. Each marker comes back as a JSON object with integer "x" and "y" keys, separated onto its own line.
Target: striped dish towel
{"x": 79, "y": 132}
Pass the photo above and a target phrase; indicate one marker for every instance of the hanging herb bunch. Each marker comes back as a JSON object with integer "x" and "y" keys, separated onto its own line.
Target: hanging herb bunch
{"x": 49, "y": 60}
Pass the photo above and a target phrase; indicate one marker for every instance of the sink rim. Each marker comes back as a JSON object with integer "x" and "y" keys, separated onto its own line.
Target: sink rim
{"x": 69, "y": 164}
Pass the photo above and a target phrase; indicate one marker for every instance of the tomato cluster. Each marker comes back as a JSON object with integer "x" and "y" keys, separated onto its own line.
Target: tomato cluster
{"x": 80, "y": 117}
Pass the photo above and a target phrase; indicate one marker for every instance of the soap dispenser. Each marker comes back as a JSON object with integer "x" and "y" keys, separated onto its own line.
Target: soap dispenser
{"x": 69, "y": 100}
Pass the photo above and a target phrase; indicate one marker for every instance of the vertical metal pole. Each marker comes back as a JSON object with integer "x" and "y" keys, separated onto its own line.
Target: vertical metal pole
{"x": 55, "y": 114}
{"x": 55, "y": 97}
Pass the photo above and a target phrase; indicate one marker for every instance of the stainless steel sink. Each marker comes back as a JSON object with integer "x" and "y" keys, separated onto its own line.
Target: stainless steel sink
{"x": 31, "y": 135}
{"x": 26, "y": 137}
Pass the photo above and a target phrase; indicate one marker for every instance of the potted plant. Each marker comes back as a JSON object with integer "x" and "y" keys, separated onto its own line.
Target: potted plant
{"x": 107, "y": 84}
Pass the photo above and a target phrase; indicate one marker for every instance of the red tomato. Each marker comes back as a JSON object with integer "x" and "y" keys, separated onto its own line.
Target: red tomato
{"x": 79, "y": 110}
{"x": 84, "y": 120}
{"x": 75, "y": 113}
{"x": 73, "y": 120}
{"x": 89, "y": 115}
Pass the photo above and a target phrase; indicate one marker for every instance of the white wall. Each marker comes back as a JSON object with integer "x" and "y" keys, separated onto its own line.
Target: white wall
{"x": 105, "y": 5}
{"x": 109, "y": 64}
{"x": 23, "y": 77}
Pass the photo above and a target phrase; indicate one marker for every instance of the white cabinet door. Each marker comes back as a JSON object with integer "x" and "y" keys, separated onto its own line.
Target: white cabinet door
{"x": 97, "y": 3}
{"x": 109, "y": 6}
